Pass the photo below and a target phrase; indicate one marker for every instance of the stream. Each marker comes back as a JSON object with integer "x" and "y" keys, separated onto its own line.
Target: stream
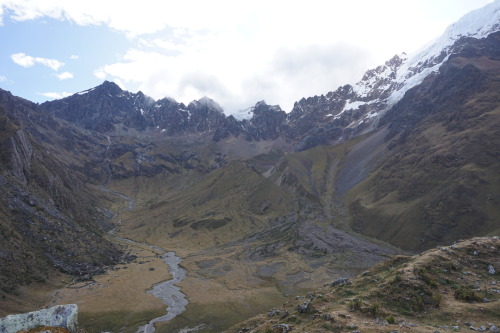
{"x": 167, "y": 291}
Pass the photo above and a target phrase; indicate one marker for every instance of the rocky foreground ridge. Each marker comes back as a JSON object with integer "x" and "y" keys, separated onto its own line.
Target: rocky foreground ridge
{"x": 446, "y": 289}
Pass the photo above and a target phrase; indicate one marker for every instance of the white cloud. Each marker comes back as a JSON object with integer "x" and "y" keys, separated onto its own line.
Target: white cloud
{"x": 134, "y": 18}
{"x": 238, "y": 77}
{"x": 240, "y": 52}
{"x": 100, "y": 73}
{"x": 22, "y": 59}
{"x": 64, "y": 76}
{"x": 74, "y": 57}
{"x": 321, "y": 66}
{"x": 55, "y": 95}
{"x": 3, "y": 78}
{"x": 278, "y": 22}
{"x": 28, "y": 61}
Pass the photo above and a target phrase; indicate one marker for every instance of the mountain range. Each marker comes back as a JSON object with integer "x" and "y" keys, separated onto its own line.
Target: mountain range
{"x": 404, "y": 160}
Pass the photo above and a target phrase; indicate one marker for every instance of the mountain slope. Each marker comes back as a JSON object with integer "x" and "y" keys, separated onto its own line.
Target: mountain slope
{"x": 439, "y": 178}
{"x": 50, "y": 218}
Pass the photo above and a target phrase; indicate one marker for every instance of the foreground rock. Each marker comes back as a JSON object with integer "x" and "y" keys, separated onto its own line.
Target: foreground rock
{"x": 58, "y": 316}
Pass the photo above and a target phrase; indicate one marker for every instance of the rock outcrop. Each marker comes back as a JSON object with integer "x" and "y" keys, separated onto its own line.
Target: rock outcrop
{"x": 58, "y": 316}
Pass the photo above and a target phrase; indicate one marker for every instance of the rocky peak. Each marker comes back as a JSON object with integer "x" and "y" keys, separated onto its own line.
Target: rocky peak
{"x": 109, "y": 87}
{"x": 101, "y": 108}
{"x": 390, "y": 66}
{"x": 167, "y": 115}
{"x": 230, "y": 126}
{"x": 267, "y": 122}
{"x": 205, "y": 103}
{"x": 205, "y": 115}
{"x": 262, "y": 107}
{"x": 323, "y": 106}
{"x": 141, "y": 99}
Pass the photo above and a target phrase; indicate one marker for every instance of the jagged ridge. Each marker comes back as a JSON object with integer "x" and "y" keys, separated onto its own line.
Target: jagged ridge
{"x": 326, "y": 119}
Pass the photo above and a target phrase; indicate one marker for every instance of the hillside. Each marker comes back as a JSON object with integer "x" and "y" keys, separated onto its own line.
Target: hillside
{"x": 451, "y": 288}
{"x": 438, "y": 180}
{"x": 51, "y": 220}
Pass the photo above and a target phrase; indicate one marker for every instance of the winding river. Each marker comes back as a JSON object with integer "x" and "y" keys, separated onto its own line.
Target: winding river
{"x": 167, "y": 291}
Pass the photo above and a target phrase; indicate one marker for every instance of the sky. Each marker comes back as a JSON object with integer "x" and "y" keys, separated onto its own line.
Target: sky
{"x": 235, "y": 52}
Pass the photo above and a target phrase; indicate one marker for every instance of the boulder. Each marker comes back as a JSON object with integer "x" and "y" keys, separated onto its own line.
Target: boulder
{"x": 57, "y": 316}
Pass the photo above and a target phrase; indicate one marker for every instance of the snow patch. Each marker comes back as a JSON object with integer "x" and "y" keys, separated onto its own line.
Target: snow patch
{"x": 245, "y": 114}
{"x": 353, "y": 105}
{"x": 371, "y": 115}
{"x": 411, "y": 82}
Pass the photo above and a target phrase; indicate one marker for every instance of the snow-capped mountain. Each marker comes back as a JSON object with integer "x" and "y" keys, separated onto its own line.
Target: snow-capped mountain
{"x": 476, "y": 24}
{"x": 356, "y": 109}
{"x": 348, "y": 111}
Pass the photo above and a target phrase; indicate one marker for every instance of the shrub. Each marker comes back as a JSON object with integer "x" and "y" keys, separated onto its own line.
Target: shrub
{"x": 355, "y": 304}
{"x": 466, "y": 294}
{"x": 390, "y": 319}
{"x": 423, "y": 274}
{"x": 374, "y": 309}
{"x": 437, "y": 297}
{"x": 418, "y": 304}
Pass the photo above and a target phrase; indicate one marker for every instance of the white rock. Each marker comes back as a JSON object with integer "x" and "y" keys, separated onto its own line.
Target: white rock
{"x": 57, "y": 316}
